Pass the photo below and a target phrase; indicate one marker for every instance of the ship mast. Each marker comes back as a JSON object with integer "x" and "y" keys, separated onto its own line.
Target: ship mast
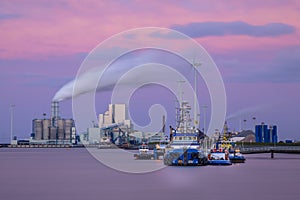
{"x": 195, "y": 65}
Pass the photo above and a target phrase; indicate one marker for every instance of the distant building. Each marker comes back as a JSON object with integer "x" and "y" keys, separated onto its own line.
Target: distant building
{"x": 244, "y": 136}
{"x": 113, "y": 124}
{"x": 117, "y": 113}
{"x": 155, "y": 137}
{"x": 266, "y": 134}
{"x": 93, "y": 135}
{"x": 43, "y": 132}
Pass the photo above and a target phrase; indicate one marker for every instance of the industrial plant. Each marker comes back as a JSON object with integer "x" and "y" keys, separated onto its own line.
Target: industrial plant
{"x": 115, "y": 127}
{"x": 55, "y": 130}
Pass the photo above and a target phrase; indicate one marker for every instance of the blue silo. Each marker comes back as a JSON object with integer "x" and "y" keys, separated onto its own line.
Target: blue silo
{"x": 274, "y": 134}
{"x": 258, "y": 133}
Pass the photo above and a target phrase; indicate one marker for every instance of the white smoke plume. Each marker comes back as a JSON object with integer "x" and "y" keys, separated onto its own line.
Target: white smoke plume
{"x": 92, "y": 75}
{"x": 246, "y": 111}
{"x": 120, "y": 67}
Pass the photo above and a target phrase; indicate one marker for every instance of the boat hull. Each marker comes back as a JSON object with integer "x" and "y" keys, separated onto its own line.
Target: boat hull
{"x": 218, "y": 158}
{"x": 237, "y": 159}
{"x": 219, "y": 162}
{"x": 184, "y": 157}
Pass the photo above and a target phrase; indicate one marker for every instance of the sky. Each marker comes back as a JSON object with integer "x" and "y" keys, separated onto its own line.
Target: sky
{"x": 255, "y": 44}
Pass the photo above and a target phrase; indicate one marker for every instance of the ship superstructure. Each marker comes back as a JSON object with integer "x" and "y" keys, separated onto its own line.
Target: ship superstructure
{"x": 184, "y": 135}
{"x": 184, "y": 147}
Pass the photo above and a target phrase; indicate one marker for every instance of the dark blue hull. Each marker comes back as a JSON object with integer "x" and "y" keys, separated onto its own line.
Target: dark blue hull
{"x": 237, "y": 159}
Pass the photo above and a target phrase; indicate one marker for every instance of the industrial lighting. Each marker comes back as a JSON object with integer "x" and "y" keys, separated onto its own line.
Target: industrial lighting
{"x": 11, "y": 121}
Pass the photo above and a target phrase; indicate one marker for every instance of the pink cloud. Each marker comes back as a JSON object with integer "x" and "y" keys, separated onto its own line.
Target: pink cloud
{"x": 67, "y": 27}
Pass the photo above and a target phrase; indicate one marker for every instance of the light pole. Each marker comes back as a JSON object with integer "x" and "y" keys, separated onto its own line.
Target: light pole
{"x": 245, "y": 124}
{"x": 11, "y": 121}
{"x": 204, "y": 118}
{"x": 254, "y": 118}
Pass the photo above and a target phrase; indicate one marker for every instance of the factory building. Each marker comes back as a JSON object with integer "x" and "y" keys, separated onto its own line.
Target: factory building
{"x": 93, "y": 135}
{"x": 113, "y": 124}
{"x": 63, "y": 133}
{"x": 266, "y": 134}
{"x": 117, "y": 113}
{"x": 54, "y": 130}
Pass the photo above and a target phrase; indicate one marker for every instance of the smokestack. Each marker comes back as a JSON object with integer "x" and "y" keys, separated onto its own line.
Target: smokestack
{"x": 54, "y": 113}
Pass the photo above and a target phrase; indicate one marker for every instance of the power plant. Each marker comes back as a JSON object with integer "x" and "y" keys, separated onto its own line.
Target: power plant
{"x": 55, "y": 130}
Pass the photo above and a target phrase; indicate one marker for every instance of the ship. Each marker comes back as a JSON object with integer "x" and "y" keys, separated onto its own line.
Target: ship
{"x": 235, "y": 156}
{"x": 219, "y": 156}
{"x": 144, "y": 153}
{"x": 184, "y": 146}
{"x": 225, "y": 153}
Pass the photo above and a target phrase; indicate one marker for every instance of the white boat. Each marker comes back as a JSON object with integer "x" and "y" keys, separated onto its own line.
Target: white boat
{"x": 184, "y": 147}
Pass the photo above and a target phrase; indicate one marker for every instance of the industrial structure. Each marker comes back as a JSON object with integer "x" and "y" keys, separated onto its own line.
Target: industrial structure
{"x": 55, "y": 130}
{"x": 265, "y": 133}
{"x": 115, "y": 126}
{"x": 117, "y": 113}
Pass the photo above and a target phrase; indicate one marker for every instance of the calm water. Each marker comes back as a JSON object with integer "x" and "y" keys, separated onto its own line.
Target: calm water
{"x": 74, "y": 174}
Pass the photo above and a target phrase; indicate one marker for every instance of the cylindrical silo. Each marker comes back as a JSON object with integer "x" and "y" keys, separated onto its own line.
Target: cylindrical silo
{"x": 69, "y": 123}
{"x": 61, "y": 129}
{"x": 38, "y": 129}
{"x": 53, "y": 133}
{"x": 46, "y": 131}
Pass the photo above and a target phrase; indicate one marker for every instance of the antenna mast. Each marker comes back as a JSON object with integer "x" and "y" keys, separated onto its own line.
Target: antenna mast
{"x": 195, "y": 65}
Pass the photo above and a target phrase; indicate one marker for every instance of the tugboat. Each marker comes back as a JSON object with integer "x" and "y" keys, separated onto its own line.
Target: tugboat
{"x": 184, "y": 146}
{"x": 235, "y": 156}
{"x": 218, "y": 156}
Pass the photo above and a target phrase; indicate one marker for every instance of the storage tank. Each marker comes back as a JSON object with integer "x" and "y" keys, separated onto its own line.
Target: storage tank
{"x": 61, "y": 129}
{"x": 38, "y": 129}
{"x": 273, "y": 134}
{"x": 69, "y": 123}
{"x": 266, "y": 133}
{"x": 53, "y": 133}
{"x": 46, "y": 131}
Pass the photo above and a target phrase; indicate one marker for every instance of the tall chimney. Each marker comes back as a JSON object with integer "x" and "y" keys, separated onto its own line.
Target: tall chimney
{"x": 54, "y": 113}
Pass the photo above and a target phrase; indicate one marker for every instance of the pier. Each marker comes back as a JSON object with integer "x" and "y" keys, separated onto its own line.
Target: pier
{"x": 270, "y": 149}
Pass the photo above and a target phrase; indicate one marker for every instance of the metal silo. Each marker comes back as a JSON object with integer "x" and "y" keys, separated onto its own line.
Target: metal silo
{"x": 266, "y": 133}
{"x": 258, "y": 133}
{"x": 53, "y": 133}
{"x": 46, "y": 131}
{"x": 69, "y": 123}
{"x": 61, "y": 129}
{"x": 274, "y": 134}
{"x": 38, "y": 129}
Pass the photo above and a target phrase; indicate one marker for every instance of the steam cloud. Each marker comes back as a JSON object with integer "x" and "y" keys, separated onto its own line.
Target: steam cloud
{"x": 247, "y": 111}
{"x": 118, "y": 68}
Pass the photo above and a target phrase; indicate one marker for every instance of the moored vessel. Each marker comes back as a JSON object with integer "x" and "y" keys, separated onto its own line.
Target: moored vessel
{"x": 184, "y": 147}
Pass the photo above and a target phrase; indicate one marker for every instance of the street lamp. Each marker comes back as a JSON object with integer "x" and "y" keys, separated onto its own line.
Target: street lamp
{"x": 254, "y": 118}
{"x": 204, "y": 118}
{"x": 245, "y": 124}
{"x": 11, "y": 121}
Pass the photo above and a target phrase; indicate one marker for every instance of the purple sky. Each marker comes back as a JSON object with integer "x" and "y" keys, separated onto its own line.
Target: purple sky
{"x": 255, "y": 44}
